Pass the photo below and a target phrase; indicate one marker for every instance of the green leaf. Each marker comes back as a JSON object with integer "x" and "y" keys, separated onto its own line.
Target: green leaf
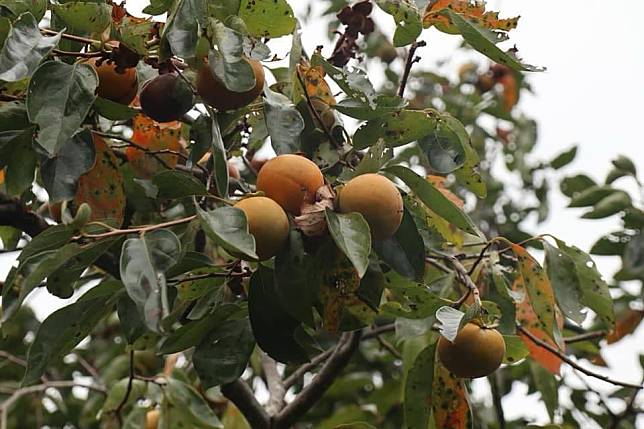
{"x": 594, "y": 290}
{"x": 222, "y": 356}
{"x": 182, "y": 27}
{"x": 84, "y": 17}
{"x": 24, "y": 48}
{"x": 354, "y": 83}
{"x": 418, "y": 389}
{"x": 130, "y": 320}
{"x": 564, "y": 158}
{"x": 420, "y": 302}
{"x": 193, "y": 332}
{"x": 134, "y": 34}
{"x": 610, "y": 205}
{"x": 625, "y": 164}
{"x": 634, "y": 256}
{"x": 20, "y": 164}
{"x": 612, "y": 244}
{"x": 177, "y": 184}
{"x": 223, "y": 9}
{"x": 118, "y": 391}
{"x": 144, "y": 262}
{"x": 228, "y": 63}
{"x": 112, "y": 110}
{"x": 477, "y": 39}
{"x": 351, "y": 234}
{"x": 434, "y": 199}
{"x": 565, "y": 283}
{"x": 194, "y": 409}
{"x": 58, "y": 99}
{"x": 219, "y": 159}
{"x": 515, "y": 349}
{"x": 571, "y": 186}
{"x": 283, "y": 121}
{"x": 406, "y": 17}
{"x": 267, "y": 18}
{"x": 548, "y": 386}
{"x": 274, "y": 329}
{"x": 396, "y": 129}
{"x": 158, "y": 7}
{"x": 296, "y": 294}
{"x": 591, "y": 196}
{"x": 359, "y": 109}
{"x": 228, "y": 227}
{"x": 65, "y": 328}
{"x": 60, "y": 173}
{"x": 444, "y": 147}
{"x": 17, "y": 7}
{"x": 405, "y": 251}
{"x": 355, "y": 425}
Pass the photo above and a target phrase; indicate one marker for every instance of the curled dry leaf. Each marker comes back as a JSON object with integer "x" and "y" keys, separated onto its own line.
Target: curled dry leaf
{"x": 312, "y": 221}
{"x": 473, "y": 11}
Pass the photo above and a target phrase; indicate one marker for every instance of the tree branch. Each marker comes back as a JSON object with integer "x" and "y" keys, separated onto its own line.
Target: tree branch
{"x": 243, "y": 397}
{"x": 572, "y": 363}
{"x": 17, "y": 394}
{"x": 585, "y": 336}
{"x": 13, "y": 213}
{"x": 274, "y": 384}
{"x": 127, "y": 392}
{"x": 313, "y": 392}
{"x": 411, "y": 59}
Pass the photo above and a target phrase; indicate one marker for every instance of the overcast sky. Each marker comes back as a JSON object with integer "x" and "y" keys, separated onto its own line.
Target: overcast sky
{"x": 592, "y": 95}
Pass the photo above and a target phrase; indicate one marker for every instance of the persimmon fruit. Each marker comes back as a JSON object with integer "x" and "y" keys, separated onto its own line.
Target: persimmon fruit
{"x": 166, "y": 98}
{"x": 214, "y": 92}
{"x": 377, "y": 199}
{"x": 118, "y": 86}
{"x": 290, "y": 180}
{"x": 152, "y": 419}
{"x": 267, "y": 222}
{"x": 476, "y": 351}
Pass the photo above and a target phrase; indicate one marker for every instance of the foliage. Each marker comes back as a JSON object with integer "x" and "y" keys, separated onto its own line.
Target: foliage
{"x": 173, "y": 312}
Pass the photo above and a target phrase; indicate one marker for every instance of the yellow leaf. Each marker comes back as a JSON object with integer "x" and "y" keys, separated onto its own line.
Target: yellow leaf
{"x": 471, "y": 10}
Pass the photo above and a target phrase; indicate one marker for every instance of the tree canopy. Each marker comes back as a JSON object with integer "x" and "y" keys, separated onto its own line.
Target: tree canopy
{"x": 266, "y": 237}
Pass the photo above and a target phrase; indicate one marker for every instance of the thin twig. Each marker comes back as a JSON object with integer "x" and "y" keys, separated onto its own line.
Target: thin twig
{"x": 94, "y": 54}
{"x": 389, "y": 347}
{"x": 465, "y": 279}
{"x": 572, "y": 363}
{"x": 17, "y": 394}
{"x": 585, "y": 336}
{"x": 127, "y": 391}
{"x": 137, "y": 230}
{"x": 299, "y": 372}
{"x": 89, "y": 368}
{"x": 322, "y": 381}
{"x": 411, "y": 59}
{"x": 12, "y": 358}
{"x": 70, "y": 36}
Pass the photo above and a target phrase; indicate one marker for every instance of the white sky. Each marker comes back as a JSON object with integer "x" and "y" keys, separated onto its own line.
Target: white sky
{"x": 591, "y": 95}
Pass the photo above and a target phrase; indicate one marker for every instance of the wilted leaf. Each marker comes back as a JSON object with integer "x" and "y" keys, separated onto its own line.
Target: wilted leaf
{"x": 626, "y": 324}
{"x": 312, "y": 218}
{"x": 473, "y": 11}
{"x": 450, "y": 319}
{"x": 102, "y": 186}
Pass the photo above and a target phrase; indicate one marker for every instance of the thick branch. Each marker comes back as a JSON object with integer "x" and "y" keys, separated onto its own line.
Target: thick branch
{"x": 323, "y": 380}
{"x": 274, "y": 384}
{"x": 13, "y": 213}
{"x": 243, "y": 397}
{"x": 572, "y": 363}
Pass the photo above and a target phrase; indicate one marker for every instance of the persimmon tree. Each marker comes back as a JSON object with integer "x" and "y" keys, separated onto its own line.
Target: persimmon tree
{"x": 356, "y": 280}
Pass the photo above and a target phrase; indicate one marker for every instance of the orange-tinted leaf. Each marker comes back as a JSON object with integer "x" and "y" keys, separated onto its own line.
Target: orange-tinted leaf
{"x": 155, "y": 137}
{"x": 449, "y": 400}
{"x": 102, "y": 186}
{"x": 1, "y": 177}
{"x": 626, "y": 324}
{"x": 471, "y": 10}
{"x": 315, "y": 85}
{"x": 439, "y": 182}
{"x": 534, "y": 281}
{"x": 510, "y": 94}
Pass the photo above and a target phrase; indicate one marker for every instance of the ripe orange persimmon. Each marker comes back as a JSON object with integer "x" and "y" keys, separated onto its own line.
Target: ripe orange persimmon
{"x": 120, "y": 87}
{"x": 267, "y": 222}
{"x": 152, "y": 419}
{"x": 215, "y": 93}
{"x": 290, "y": 180}
{"x": 377, "y": 199}
{"x": 476, "y": 351}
